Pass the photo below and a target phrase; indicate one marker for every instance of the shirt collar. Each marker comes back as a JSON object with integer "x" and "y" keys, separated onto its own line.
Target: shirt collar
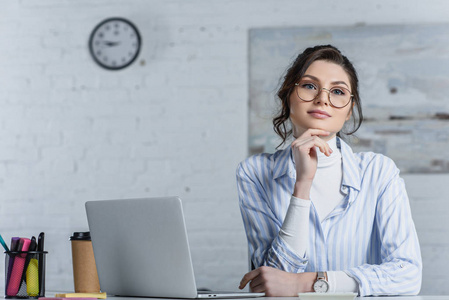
{"x": 283, "y": 165}
{"x": 351, "y": 169}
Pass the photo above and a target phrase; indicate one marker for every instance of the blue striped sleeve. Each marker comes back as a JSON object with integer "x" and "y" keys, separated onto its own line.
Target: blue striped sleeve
{"x": 400, "y": 270}
{"x": 261, "y": 223}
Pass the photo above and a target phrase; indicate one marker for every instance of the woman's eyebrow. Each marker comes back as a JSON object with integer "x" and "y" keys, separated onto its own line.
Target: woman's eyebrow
{"x": 334, "y": 82}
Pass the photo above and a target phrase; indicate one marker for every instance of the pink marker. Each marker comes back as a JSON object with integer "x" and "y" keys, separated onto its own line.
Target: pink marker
{"x": 17, "y": 269}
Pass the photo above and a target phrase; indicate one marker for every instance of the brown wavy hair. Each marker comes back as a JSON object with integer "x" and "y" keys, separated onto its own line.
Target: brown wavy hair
{"x": 281, "y": 124}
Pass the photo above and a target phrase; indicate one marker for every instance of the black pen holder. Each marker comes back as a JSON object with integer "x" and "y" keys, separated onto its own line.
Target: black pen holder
{"x": 25, "y": 274}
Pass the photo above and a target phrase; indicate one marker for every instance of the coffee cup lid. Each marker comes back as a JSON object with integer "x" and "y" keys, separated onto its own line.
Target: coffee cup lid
{"x": 80, "y": 236}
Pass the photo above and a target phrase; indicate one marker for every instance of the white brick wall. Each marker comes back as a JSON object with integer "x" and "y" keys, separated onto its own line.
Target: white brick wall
{"x": 173, "y": 123}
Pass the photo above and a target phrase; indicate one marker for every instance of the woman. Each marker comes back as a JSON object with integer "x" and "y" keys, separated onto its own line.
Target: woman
{"x": 319, "y": 217}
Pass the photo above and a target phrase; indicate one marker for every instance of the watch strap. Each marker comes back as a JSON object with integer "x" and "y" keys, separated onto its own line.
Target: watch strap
{"x": 321, "y": 275}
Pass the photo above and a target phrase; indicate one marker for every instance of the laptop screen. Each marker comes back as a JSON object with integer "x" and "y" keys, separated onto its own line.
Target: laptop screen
{"x": 141, "y": 247}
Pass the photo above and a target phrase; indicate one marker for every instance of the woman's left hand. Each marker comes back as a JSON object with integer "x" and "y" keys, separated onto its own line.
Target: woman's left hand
{"x": 277, "y": 283}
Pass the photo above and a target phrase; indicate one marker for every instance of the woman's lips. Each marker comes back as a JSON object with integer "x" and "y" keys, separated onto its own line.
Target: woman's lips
{"x": 319, "y": 114}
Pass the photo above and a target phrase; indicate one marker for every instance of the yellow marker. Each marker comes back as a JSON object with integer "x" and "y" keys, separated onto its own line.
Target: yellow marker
{"x": 32, "y": 278}
{"x": 82, "y": 295}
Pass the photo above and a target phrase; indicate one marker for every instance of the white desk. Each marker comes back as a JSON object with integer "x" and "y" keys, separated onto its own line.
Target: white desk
{"x": 296, "y": 298}
{"x": 422, "y": 297}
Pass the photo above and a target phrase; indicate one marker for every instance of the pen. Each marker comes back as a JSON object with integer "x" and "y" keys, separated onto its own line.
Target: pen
{"x": 40, "y": 249}
{"x": 2, "y": 241}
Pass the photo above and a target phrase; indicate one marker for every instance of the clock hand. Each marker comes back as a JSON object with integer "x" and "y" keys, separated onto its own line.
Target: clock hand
{"x": 110, "y": 44}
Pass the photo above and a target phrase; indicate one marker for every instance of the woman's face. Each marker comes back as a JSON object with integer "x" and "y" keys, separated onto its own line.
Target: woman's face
{"x": 319, "y": 113}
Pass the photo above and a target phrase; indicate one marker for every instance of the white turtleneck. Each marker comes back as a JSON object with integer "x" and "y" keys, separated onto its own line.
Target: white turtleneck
{"x": 325, "y": 194}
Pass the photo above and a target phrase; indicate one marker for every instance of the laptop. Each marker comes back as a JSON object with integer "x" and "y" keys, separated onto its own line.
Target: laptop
{"x": 141, "y": 249}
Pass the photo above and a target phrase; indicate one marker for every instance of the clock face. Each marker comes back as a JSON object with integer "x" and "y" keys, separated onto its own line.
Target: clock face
{"x": 115, "y": 43}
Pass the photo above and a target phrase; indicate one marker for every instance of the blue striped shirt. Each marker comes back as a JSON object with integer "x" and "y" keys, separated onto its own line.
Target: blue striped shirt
{"x": 370, "y": 235}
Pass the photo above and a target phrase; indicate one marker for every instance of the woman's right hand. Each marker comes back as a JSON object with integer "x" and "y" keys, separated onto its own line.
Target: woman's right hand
{"x": 277, "y": 283}
{"x": 304, "y": 152}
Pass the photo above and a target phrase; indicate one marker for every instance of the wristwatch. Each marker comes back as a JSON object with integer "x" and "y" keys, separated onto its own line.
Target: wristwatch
{"x": 321, "y": 285}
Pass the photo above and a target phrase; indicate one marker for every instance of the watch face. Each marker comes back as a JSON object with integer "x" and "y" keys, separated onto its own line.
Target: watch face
{"x": 115, "y": 43}
{"x": 321, "y": 286}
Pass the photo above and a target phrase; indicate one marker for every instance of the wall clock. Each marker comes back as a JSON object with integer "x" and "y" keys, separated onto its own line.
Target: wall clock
{"x": 115, "y": 43}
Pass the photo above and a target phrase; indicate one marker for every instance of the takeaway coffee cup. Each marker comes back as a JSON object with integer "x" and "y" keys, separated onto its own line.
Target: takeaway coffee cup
{"x": 85, "y": 274}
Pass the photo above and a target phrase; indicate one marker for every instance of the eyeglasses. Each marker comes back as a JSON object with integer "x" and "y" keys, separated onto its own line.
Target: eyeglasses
{"x": 339, "y": 96}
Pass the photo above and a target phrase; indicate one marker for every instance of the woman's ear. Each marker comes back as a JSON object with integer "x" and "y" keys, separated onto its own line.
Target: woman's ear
{"x": 350, "y": 112}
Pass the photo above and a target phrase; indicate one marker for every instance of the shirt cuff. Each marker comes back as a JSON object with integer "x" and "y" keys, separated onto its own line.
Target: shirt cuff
{"x": 299, "y": 202}
{"x": 281, "y": 256}
{"x": 340, "y": 282}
